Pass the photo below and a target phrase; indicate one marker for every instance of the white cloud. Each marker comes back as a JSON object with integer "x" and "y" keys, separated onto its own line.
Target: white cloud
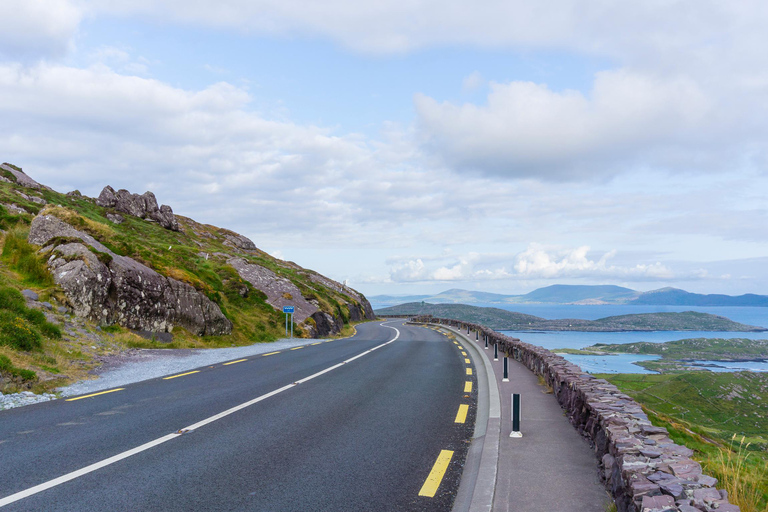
{"x": 534, "y": 263}
{"x": 37, "y": 28}
{"x": 526, "y": 129}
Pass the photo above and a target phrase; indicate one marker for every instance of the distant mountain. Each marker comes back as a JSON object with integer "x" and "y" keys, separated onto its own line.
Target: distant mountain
{"x": 677, "y": 297}
{"x": 570, "y": 294}
{"x": 501, "y": 319}
{"x": 579, "y": 294}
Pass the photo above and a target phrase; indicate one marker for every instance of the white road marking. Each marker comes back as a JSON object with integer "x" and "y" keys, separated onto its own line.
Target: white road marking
{"x": 124, "y": 455}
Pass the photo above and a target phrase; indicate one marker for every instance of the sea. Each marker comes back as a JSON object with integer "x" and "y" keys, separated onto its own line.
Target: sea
{"x": 623, "y": 363}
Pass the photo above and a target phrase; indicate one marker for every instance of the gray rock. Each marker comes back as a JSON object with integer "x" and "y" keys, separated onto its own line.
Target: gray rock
{"x": 122, "y": 290}
{"x": 38, "y": 200}
{"x": 47, "y": 305}
{"x": 29, "y": 294}
{"x": 143, "y": 206}
{"x": 21, "y": 178}
{"x": 61, "y": 309}
{"x": 14, "y": 209}
{"x": 115, "y": 218}
{"x": 239, "y": 241}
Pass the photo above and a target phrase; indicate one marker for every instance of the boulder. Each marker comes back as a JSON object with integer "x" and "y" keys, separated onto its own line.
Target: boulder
{"x": 143, "y": 206}
{"x": 239, "y": 241}
{"x": 109, "y": 288}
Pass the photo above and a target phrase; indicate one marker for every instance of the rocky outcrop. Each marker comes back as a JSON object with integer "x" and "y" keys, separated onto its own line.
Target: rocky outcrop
{"x": 108, "y": 288}
{"x": 280, "y": 291}
{"x": 238, "y": 241}
{"x": 359, "y": 308}
{"x": 642, "y": 467}
{"x": 143, "y": 206}
{"x": 21, "y": 178}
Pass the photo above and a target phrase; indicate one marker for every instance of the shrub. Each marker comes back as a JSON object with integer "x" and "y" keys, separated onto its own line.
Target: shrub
{"x": 7, "y": 366}
{"x": 16, "y": 332}
{"x": 11, "y": 299}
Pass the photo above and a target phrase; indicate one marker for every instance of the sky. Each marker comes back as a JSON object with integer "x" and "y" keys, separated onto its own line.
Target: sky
{"x": 412, "y": 147}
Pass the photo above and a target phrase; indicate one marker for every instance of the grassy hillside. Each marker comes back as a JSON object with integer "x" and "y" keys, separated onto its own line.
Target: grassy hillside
{"x": 196, "y": 255}
{"x": 501, "y": 319}
{"x": 722, "y": 416}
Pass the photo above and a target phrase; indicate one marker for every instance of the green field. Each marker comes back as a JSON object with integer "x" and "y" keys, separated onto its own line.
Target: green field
{"x": 722, "y": 416}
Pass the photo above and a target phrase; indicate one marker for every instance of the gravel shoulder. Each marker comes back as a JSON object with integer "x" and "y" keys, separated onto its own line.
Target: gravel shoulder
{"x": 136, "y": 365}
{"x": 142, "y": 364}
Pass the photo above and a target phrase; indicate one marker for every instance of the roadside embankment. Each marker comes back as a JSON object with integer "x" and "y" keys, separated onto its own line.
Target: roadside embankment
{"x": 641, "y": 467}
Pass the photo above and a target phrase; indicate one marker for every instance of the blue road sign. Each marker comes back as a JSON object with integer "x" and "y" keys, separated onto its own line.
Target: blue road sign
{"x": 288, "y": 309}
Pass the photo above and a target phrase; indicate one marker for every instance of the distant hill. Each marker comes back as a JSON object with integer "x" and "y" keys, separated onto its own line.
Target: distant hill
{"x": 677, "y": 297}
{"x": 580, "y": 294}
{"x": 568, "y": 294}
{"x": 500, "y": 319}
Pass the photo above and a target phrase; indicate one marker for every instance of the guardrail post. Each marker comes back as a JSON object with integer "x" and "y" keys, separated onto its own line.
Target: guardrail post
{"x": 506, "y": 369}
{"x": 516, "y": 416}
{"x": 495, "y": 351}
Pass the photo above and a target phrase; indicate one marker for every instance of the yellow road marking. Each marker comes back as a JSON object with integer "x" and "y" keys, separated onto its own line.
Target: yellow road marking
{"x": 233, "y": 362}
{"x": 319, "y": 342}
{"x": 468, "y": 386}
{"x": 469, "y": 371}
{"x": 297, "y": 348}
{"x": 461, "y": 416}
{"x": 181, "y": 375}
{"x": 464, "y": 353}
{"x": 435, "y": 477}
{"x": 467, "y": 360}
{"x": 462, "y": 348}
{"x": 94, "y": 394}
{"x": 455, "y": 342}
{"x": 270, "y": 354}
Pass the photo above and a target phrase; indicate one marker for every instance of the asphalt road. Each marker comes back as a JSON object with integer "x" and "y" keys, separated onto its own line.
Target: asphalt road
{"x": 364, "y": 435}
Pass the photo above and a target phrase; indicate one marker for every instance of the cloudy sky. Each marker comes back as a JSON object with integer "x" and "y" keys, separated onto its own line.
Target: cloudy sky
{"x": 416, "y": 146}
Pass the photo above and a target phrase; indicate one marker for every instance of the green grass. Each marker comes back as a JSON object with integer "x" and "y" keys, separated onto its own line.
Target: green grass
{"x": 723, "y": 417}
{"x": 22, "y": 257}
{"x": 7, "y": 367}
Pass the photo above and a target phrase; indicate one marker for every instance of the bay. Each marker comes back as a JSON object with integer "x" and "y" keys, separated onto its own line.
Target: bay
{"x": 623, "y": 363}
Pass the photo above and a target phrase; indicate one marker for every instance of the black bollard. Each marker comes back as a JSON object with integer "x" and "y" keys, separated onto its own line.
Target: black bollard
{"x": 495, "y": 351}
{"x": 516, "y": 416}
{"x": 506, "y": 370}
{"x": 486, "y": 342}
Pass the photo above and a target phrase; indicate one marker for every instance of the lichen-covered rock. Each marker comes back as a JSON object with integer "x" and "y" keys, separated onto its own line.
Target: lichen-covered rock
{"x": 21, "y": 178}
{"x": 143, "y": 206}
{"x": 109, "y": 288}
{"x": 115, "y": 218}
{"x": 280, "y": 292}
{"x": 238, "y": 241}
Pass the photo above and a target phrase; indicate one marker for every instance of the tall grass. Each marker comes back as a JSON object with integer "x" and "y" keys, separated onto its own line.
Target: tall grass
{"x": 741, "y": 474}
{"x": 22, "y": 257}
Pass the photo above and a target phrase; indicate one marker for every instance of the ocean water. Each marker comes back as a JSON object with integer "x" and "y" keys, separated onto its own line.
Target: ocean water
{"x": 623, "y": 363}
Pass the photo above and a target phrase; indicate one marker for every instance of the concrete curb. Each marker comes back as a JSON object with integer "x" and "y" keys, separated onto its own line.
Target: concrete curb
{"x": 478, "y": 480}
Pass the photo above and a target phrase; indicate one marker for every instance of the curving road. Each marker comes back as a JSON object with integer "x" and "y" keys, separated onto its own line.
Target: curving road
{"x": 361, "y": 423}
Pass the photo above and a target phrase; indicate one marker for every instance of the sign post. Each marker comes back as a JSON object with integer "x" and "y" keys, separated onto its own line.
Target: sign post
{"x": 288, "y": 310}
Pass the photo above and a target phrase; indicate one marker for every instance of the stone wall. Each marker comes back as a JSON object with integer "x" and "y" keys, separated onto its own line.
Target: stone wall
{"x": 640, "y": 465}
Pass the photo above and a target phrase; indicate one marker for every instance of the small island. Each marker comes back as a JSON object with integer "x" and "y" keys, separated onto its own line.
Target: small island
{"x": 500, "y": 319}
{"x": 676, "y": 356}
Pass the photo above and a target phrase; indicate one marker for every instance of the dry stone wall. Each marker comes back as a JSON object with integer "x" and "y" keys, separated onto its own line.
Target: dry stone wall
{"x": 640, "y": 465}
